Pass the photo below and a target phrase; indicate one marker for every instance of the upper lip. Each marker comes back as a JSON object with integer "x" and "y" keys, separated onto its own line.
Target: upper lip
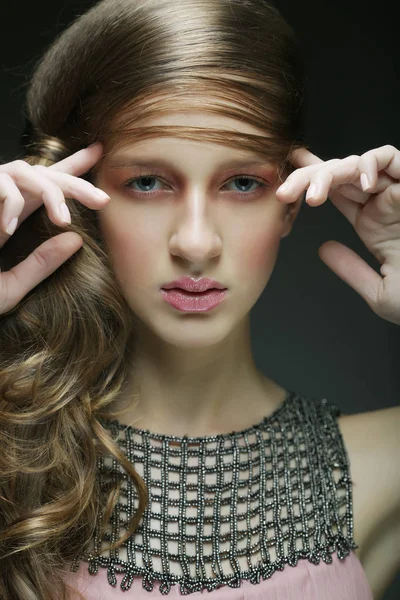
{"x": 192, "y": 285}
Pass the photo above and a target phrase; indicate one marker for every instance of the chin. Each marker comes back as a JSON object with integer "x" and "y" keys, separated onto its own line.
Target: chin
{"x": 190, "y": 330}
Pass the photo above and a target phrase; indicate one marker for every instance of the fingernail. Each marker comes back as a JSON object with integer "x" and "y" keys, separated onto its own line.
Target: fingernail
{"x": 102, "y": 194}
{"x": 64, "y": 213}
{"x": 365, "y": 184}
{"x": 283, "y": 188}
{"x": 12, "y": 226}
{"x": 312, "y": 191}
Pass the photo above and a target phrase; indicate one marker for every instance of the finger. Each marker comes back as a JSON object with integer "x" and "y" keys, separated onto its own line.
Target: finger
{"x": 350, "y": 201}
{"x": 386, "y": 158}
{"x": 342, "y": 170}
{"x": 71, "y": 187}
{"x": 328, "y": 178}
{"x": 42, "y": 262}
{"x": 75, "y": 187}
{"x": 301, "y": 157}
{"x": 349, "y": 208}
{"x": 29, "y": 179}
{"x": 354, "y": 191}
{"x": 348, "y": 196}
{"x": 11, "y": 204}
{"x": 353, "y": 270}
{"x": 80, "y": 162}
{"x": 300, "y": 180}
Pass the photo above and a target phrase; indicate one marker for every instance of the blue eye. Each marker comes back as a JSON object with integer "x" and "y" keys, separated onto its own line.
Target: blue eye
{"x": 245, "y": 179}
{"x": 146, "y": 179}
{"x": 148, "y": 183}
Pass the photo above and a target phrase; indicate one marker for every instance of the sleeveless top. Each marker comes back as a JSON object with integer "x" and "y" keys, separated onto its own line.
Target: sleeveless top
{"x": 265, "y": 512}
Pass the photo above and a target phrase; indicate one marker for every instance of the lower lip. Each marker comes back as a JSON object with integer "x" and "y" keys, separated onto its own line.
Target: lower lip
{"x": 192, "y": 302}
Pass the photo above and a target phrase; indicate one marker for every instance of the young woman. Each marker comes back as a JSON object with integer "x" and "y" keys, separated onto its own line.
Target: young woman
{"x": 142, "y": 452}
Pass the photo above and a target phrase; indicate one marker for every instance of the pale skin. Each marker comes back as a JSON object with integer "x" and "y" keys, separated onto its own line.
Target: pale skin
{"x": 192, "y": 232}
{"x": 196, "y": 370}
{"x": 192, "y": 371}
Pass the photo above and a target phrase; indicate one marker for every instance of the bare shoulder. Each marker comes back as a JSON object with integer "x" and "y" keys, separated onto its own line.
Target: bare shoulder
{"x": 372, "y": 441}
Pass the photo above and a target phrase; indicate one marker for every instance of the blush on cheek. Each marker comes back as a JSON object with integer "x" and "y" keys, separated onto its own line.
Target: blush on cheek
{"x": 129, "y": 253}
{"x": 261, "y": 251}
{"x": 126, "y": 250}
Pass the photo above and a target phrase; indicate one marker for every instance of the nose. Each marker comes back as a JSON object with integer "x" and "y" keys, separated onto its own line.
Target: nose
{"x": 196, "y": 238}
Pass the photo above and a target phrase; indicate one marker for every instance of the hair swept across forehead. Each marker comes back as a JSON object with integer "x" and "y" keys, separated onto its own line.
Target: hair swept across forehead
{"x": 127, "y": 59}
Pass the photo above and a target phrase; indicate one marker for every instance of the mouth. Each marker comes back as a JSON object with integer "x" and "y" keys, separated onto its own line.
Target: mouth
{"x": 186, "y": 293}
{"x": 194, "y": 301}
{"x": 188, "y": 284}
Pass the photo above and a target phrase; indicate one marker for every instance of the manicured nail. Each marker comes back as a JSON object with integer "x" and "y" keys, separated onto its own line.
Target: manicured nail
{"x": 365, "y": 184}
{"x": 283, "y": 188}
{"x": 64, "y": 213}
{"x": 12, "y": 226}
{"x": 312, "y": 191}
{"x": 102, "y": 194}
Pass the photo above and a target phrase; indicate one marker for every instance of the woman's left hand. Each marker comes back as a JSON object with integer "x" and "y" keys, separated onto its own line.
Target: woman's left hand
{"x": 374, "y": 214}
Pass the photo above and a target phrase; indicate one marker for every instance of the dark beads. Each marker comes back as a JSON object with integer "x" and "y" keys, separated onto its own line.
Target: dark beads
{"x": 248, "y": 502}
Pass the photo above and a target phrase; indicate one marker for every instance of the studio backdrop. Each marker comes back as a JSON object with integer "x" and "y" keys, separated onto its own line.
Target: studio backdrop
{"x": 311, "y": 332}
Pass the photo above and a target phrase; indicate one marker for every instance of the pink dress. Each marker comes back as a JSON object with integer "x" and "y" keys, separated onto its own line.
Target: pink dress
{"x": 263, "y": 513}
{"x": 340, "y": 580}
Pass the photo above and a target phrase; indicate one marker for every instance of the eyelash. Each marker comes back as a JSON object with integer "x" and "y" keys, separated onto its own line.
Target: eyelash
{"x": 262, "y": 184}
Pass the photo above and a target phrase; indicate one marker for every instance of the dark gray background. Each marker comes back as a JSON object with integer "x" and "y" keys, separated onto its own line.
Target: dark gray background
{"x": 311, "y": 332}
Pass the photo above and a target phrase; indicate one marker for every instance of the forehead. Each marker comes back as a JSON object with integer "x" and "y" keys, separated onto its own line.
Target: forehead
{"x": 155, "y": 116}
{"x": 198, "y": 118}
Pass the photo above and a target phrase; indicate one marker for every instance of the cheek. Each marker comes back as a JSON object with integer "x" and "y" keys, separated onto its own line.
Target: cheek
{"x": 128, "y": 247}
{"x": 259, "y": 249}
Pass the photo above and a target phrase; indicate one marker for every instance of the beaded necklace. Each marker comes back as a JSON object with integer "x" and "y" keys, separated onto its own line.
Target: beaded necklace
{"x": 230, "y": 507}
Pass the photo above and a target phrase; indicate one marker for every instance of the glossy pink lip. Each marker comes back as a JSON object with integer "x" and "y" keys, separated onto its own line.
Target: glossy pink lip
{"x": 192, "y": 301}
{"x": 191, "y": 285}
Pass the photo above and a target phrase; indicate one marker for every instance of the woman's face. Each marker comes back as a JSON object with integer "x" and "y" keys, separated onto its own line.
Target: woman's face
{"x": 193, "y": 209}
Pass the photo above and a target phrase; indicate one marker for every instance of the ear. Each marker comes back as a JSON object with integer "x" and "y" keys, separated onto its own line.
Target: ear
{"x": 291, "y": 215}
{"x": 293, "y": 207}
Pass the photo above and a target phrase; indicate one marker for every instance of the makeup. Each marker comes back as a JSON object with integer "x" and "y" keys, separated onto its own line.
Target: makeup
{"x": 193, "y": 301}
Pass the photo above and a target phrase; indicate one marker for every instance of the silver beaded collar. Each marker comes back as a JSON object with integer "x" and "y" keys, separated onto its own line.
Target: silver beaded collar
{"x": 231, "y": 507}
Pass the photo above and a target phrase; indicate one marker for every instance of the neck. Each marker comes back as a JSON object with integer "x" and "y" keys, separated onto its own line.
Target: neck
{"x": 196, "y": 391}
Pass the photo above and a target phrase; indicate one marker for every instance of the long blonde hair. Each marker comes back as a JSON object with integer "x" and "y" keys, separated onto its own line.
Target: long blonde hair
{"x": 64, "y": 348}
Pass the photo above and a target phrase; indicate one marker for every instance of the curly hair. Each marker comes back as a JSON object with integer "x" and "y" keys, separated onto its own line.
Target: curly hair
{"x": 65, "y": 348}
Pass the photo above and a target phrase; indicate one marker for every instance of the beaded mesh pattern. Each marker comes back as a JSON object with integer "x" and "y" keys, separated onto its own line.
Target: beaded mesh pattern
{"x": 233, "y": 506}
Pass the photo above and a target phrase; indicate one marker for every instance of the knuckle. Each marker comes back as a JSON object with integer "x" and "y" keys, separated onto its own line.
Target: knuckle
{"x": 21, "y": 165}
{"x": 40, "y": 256}
{"x": 12, "y": 189}
{"x": 374, "y": 151}
{"x": 19, "y": 201}
{"x": 50, "y": 181}
{"x": 6, "y": 177}
{"x": 327, "y": 169}
{"x": 291, "y": 177}
{"x": 391, "y": 148}
{"x": 48, "y": 185}
{"x": 39, "y": 176}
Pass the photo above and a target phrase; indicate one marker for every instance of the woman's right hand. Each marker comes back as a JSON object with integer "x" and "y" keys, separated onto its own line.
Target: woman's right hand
{"x": 49, "y": 186}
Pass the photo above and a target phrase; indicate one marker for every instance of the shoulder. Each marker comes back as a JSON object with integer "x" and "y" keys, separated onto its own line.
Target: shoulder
{"x": 372, "y": 442}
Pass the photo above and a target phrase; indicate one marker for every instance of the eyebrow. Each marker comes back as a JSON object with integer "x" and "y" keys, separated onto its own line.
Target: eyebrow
{"x": 121, "y": 163}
